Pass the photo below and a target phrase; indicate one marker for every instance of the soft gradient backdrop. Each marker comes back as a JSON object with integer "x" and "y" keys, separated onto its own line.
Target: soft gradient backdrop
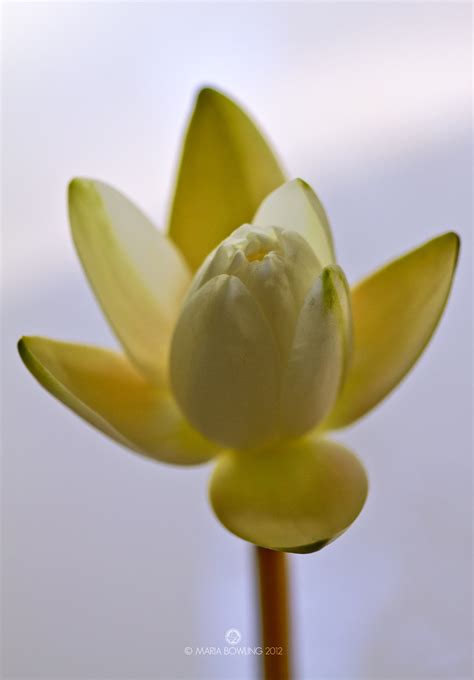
{"x": 112, "y": 564}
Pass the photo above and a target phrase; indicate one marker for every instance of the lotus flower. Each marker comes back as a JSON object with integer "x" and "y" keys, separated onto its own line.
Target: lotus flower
{"x": 242, "y": 344}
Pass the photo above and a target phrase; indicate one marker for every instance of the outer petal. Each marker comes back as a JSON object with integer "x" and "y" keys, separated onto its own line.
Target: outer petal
{"x": 103, "y": 388}
{"x": 295, "y": 206}
{"x": 224, "y": 365}
{"x": 319, "y": 355}
{"x": 136, "y": 273}
{"x": 297, "y": 496}
{"x": 395, "y": 312}
{"x": 226, "y": 169}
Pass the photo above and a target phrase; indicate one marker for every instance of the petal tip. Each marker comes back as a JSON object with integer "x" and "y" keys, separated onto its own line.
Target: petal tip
{"x": 450, "y": 244}
{"x": 24, "y": 347}
{"x": 76, "y": 187}
{"x": 79, "y": 190}
{"x": 209, "y": 94}
{"x": 332, "y": 277}
{"x": 26, "y": 350}
{"x": 331, "y": 273}
{"x": 21, "y": 346}
{"x": 454, "y": 240}
{"x": 302, "y": 183}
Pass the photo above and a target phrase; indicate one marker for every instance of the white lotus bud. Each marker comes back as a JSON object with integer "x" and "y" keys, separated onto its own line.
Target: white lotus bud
{"x": 260, "y": 345}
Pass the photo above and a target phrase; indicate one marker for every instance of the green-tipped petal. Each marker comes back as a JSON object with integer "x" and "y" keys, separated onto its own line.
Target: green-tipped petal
{"x": 295, "y": 206}
{"x": 226, "y": 169}
{"x": 320, "y": 354}
{"x": 297, "y": 496}
{"x": 103, "y": 388}
{"x": 224, "y": 365}
{"x": 395, "y": 312}
{"x": 137, "y": 274}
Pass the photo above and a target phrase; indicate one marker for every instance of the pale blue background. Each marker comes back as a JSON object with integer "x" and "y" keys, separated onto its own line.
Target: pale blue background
{"x": 111, "y": 564}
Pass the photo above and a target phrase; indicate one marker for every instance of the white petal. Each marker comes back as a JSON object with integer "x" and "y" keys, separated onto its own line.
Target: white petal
{"x": 295, "y": 206}
{"x": 319, "y": 354}
{"x": 224, "y": 365}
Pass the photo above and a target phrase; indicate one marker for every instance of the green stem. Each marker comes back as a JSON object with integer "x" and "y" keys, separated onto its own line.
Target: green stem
{"x": 274, "y": 614}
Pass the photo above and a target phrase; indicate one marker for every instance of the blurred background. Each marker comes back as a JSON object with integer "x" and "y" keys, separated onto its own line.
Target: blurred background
{"x": 113, "y": 564}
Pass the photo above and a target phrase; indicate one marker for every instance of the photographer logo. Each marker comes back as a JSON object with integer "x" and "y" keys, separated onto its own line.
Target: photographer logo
{"x": 233, "y": 636}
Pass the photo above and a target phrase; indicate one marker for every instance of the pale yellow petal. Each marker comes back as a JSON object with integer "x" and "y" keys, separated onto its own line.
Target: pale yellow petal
{"x": 226, "y": 169}
{"x": 103, "y": 388}
{"x": 137, "y": 274}
{"x": 395, "y": 312}
{"x": 297, "y": 496}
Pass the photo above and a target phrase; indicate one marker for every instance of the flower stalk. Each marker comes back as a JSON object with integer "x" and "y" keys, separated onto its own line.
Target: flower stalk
{"x": 275, "y": 615}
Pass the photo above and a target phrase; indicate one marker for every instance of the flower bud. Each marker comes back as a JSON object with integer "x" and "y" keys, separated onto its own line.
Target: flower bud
{"x": 260, "y": 345}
